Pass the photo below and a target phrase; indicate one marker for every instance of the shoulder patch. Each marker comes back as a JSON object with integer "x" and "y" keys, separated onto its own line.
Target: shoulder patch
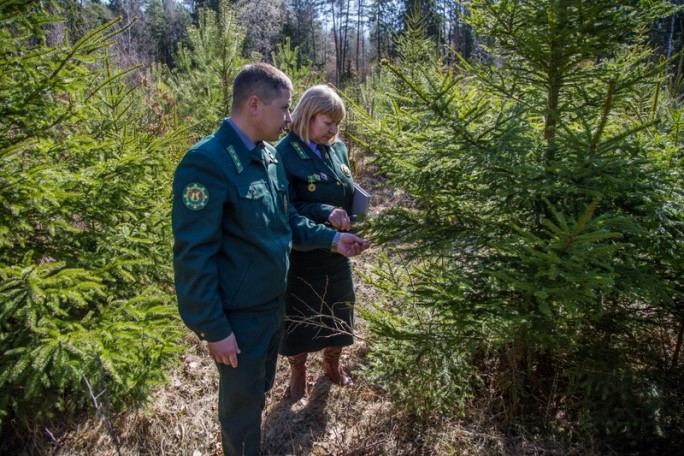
{"x": 195, "y": 196}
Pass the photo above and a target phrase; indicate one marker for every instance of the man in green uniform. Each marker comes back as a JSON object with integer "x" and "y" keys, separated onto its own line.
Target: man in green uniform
{"x": 234, "y": 228}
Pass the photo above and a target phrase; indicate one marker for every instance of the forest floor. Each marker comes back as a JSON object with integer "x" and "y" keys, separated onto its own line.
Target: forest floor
{"x": 357, "y": 420}
{"x": 181, "y": 417}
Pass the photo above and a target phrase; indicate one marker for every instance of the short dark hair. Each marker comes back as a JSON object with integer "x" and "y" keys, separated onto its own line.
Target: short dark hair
{"x": 260, "y": 79}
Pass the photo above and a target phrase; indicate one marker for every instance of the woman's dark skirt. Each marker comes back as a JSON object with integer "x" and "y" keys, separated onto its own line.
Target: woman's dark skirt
{"x": 320, "y": 303}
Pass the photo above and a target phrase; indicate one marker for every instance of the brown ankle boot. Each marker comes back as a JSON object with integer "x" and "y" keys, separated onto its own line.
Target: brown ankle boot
{"x": 331, "y": 366}
{"x": 297, "y": 376}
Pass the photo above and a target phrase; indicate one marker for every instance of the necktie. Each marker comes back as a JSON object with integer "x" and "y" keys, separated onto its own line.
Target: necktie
{"x": 323, "y": 149}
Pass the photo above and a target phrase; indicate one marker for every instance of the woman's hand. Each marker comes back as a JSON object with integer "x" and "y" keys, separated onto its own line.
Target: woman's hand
{"x": 339, "y": 219}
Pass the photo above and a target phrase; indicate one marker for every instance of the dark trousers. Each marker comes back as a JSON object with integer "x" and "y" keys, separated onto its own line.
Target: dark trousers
{"x": 241, "y": 389}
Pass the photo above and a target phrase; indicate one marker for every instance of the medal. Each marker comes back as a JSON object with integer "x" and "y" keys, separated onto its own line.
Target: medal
{"x": 312, "y": 179}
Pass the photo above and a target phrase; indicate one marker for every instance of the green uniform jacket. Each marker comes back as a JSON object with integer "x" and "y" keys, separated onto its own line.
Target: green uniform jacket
{"x": 320, "y": 289}
{"x": 319, "y": 185}
{"x": 233, "y": 227}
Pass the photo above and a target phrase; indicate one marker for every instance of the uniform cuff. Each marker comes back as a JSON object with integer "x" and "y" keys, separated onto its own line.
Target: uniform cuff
{"x": 335, "y": 241}
{"x": 215, "y": 334}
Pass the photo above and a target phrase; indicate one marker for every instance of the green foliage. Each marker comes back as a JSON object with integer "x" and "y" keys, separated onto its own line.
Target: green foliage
{"x": 541, "y": 246}
{"x": 166, "y": 23}
{"x": 203, "y": 78}
{"x": 424, "y": 378}
{"x": 85, "y": 277}
{"x": 300, "y": 71}
{"x": 81, "y": 17}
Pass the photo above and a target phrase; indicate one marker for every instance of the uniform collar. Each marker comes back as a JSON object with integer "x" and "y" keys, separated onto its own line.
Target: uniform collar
{"x": 249, "y": 145}
{"x": 240, "y": 148}
{"x": 312, "y": 146}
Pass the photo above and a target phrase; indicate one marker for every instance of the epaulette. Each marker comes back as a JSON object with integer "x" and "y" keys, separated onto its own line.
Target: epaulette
{"x": 300, "y": 151}
{"x": 236, "y": 159}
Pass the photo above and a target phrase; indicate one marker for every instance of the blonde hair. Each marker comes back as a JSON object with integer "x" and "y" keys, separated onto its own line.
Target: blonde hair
{"x": 318, "y": 99}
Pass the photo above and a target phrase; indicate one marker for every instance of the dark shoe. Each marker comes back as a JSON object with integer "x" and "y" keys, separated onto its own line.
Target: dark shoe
{"x": 297, "y": 376}
{"x": 331, "y": 366}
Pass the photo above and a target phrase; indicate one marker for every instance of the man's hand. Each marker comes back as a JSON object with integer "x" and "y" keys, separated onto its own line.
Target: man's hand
{"x": 340, "y": 219}
{"x": 351, "y": 245}
{"x": 225, "y": 351}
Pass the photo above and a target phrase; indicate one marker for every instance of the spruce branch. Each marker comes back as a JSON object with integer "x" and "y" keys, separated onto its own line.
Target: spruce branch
{"x": 607, "y": 106}
{"x": 454, "y": 123}
{"x": 92, "y": 36}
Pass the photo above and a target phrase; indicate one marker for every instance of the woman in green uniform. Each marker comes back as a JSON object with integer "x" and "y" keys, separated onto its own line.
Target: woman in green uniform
{"x": 320, "y": 292}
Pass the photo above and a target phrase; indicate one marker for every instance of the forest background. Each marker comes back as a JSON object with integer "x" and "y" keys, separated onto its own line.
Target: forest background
{"x": 524, "y": 293}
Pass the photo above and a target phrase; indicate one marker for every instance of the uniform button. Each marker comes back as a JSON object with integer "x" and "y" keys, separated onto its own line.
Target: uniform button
{"x": 338, "y": 183}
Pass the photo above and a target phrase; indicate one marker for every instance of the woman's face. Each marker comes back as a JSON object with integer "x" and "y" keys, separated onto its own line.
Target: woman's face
{"x": 322, "y": 129}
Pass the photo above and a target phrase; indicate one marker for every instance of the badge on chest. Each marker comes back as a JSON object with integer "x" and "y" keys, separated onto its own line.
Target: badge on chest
{"x": 311, "y": 179}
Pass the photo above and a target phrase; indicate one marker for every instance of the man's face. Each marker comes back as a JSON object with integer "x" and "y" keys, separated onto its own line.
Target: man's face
{"x": 274, "y": 117}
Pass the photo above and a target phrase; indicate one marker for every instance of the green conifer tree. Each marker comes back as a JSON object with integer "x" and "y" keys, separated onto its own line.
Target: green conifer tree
{"x": 205, "y": 68}
{"x": 86, "y": 151}
{"x": 542, "y": 189}
{"x": 203, "y": 78}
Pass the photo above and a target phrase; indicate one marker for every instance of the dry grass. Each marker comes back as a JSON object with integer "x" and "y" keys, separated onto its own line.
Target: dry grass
{"x": 181, "y": 418}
